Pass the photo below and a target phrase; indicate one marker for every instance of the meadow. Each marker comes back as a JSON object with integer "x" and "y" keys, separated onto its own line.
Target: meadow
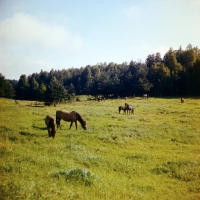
{"x": 153, "y": 154}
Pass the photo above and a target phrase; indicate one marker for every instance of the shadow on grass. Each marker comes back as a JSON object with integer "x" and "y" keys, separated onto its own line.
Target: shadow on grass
{"x": 39, "y": 128}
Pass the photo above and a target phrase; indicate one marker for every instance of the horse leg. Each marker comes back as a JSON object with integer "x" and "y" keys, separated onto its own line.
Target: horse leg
{"x": 58, "y": 123}
{"x": 70, "y": 125}
{"x": 76, "y": 124}
{"x": 49, "y": 133}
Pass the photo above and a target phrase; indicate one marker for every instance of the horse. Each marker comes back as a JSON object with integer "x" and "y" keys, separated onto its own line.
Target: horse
{"x": 16, "y": 102}
{"x": 70, "y": 117}
{"x": 122, "y": 108}
{"x": 129, "y": 108}
{"x": 145, "y": 96}
{"x": 182, "y": 100}
{"x": 49, "y": 121}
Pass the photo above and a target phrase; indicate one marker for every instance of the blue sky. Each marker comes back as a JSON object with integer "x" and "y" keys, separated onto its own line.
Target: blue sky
{"x": 40, "y": 35}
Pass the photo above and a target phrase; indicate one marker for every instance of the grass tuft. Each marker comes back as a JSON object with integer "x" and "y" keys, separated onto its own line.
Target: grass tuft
{"x": 77, "y": 176}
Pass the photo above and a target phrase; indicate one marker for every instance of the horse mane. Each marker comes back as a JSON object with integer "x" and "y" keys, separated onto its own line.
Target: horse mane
{"x": 80, "y": 119}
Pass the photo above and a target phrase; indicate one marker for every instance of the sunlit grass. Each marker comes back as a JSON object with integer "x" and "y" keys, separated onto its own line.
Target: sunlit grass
{"x": 153, "y": 154}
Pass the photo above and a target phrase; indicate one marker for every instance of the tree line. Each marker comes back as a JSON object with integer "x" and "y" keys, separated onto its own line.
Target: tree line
{"x": 177, "y": 73}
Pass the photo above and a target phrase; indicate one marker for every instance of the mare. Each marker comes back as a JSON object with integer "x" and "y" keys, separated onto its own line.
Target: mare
{"x": 122, "y": 108}
{"x": 70, "y": 117}
{"x": 16, "y": 102}
{"x": 49, "y": 121}
{"x": 129, "y": 108}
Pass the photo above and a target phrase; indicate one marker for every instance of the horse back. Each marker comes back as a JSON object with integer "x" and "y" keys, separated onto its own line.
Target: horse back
{"x": 65, "y": 115}
{"x": 49, "y": 120}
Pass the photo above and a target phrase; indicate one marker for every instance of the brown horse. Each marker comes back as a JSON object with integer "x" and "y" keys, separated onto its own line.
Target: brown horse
{"x": 69, "y": 117}
{"x": 49, "y": 121}
{"x": 16, "y": 102}
{"x": 182, "y": 100}
{"x": 129, "y": 108}
{"x": 122, "y": 108}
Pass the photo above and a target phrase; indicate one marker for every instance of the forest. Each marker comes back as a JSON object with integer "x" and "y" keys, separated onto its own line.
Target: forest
{"x": 176, "y": 74}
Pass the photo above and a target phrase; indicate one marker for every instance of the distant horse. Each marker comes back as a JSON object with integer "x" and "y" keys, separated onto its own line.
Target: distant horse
{"x": 182, "y": 100}
{"x": 16, "y": 102}
{"x": 129, "y": 108}
{"x": 122, "y": 108}
{"x": 145, "y": 96}
{"x": 49, "y": 121}
{"x": 70, "y": 117}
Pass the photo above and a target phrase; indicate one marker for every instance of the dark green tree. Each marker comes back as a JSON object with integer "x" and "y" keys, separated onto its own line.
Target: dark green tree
{"x": 159, "y": 76}
{"x": 176, "y": 71}
{"x": 6, "y": 88}
{"x": 9, "y": 90}
{"x": 57, "y": 91}
{"x": 42, "y": 92}
{"x": 34, "y": 88}
{"x": 87, "y": 80}
{"x": 23, "y": 88}
{"x": 2, "y": 85}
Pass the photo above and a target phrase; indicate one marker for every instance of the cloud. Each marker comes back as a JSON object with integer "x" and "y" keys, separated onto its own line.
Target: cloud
{"x": 28, "y": 44}
{"x": 27, "y": 30}
{"x": 132, "y": 12}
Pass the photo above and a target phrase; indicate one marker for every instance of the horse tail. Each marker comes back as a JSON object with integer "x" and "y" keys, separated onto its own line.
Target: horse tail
{"x": 119, "y": 109}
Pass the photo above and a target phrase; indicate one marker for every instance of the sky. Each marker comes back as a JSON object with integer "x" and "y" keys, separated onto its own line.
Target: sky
{"x": 40, "y": 35}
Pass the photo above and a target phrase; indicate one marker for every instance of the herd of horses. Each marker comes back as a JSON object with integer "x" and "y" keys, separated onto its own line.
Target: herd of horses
{"x": 73, "y": 117}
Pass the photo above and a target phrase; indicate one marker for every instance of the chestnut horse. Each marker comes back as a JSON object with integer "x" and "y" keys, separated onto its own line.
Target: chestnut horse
{"x": 122, "y": 108}
{"x": 70, "y": 117}
{"x": 49, "y": 121}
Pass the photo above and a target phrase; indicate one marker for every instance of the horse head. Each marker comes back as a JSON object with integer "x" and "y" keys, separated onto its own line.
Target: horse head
{"x": 84, "y": 125}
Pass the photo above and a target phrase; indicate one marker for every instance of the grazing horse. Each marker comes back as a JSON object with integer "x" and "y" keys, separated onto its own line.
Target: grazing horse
{"x": 49, "y": 121}
{"x": 129, "y": 108}
{"x": 182, "y": 100}
{"x": 122, "y": 108}
{"x": 69, "y": 117}
{"x": 16, "y": 102}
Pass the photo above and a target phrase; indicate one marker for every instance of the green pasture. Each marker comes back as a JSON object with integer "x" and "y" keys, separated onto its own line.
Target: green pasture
{"x": 153, "y": 154}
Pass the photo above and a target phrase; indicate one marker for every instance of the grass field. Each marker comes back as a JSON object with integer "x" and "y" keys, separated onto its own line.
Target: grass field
{"x": 154, "y": 154}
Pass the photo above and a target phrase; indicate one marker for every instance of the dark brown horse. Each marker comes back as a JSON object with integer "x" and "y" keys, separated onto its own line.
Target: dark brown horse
{"x": 70, "y": 117}
{"x": 129, "y": 108}
{"x": 122, "y": 108}
{"x": 49, "y": 121}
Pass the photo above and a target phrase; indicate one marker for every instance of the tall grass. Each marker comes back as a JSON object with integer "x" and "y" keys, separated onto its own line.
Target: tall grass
{"x": 153, "y": 154}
